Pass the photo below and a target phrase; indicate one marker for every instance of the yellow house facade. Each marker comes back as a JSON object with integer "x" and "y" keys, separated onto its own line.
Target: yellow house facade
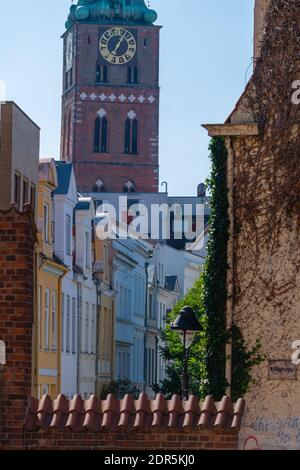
{"x": 103, "y": 269}
{"x": 50, "y": 271}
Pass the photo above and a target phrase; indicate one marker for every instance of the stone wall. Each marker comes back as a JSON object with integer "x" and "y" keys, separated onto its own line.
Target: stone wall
{"x": 263, "y": 141}
{"x": 266, "y": 302}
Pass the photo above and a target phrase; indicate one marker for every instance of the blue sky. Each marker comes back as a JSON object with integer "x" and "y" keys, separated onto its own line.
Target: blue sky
{"x": 206, "y": 53}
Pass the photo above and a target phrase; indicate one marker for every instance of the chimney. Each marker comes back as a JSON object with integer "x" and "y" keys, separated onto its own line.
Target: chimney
{"x": 260, "y": 11}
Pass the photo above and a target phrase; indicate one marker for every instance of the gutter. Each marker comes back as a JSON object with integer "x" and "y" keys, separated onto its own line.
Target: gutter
{"x": 98, "y": 318}
{"x": 145, "y": 325}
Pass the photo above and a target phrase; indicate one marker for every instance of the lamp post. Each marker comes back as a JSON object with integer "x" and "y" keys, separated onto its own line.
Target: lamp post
{"x": 187, "y": 325}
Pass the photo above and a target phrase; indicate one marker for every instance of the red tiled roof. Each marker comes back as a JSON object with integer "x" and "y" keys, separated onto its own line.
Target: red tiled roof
{"x": 129, "y": 414}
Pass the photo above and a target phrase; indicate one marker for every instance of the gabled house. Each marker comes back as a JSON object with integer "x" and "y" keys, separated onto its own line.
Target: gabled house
{"x": 50, "y": 273}
{"x": 65, "y": 199}
{"x": 103, "y": 275}
{"x": 130, "y": 274}
{"x": 86, "y": 296}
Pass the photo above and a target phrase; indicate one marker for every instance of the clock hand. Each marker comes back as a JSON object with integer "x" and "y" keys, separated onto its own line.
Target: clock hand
{"x": 118, "y": 45}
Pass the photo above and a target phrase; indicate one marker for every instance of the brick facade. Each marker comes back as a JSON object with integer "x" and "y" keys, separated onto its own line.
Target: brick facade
{"x": 87, "y": 440}
{"x": 85, "y": 98}
{"x": 17, "y": 239}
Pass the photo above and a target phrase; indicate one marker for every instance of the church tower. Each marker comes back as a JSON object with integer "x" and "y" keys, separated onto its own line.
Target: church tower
{"x": 110, "y": 101}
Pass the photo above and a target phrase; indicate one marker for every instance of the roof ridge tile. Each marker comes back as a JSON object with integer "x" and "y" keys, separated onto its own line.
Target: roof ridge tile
{"x": 129, "y": 414}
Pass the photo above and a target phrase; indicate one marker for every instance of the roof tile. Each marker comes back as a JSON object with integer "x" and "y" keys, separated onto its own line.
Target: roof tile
{"x": 129, "y": 414}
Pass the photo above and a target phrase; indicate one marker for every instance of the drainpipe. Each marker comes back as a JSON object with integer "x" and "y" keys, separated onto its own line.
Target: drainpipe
{"x": 79, "y": 308}
{"x": 156, "y": 360}
{"x": 35, "y": 335}
{"x": 98, "y": 318}
{"x": 58, "y": 346}
{"x": 230, "y": 260}
{"x": 146, "y": 324}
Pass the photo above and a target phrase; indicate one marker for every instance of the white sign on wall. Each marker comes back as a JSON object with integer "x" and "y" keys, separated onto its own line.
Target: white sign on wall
{"x": 2, "y": 353}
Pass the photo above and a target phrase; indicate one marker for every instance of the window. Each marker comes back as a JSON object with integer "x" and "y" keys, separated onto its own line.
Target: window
{"x": 68, "y": 234}
{"x": 101, "y": 73}
{"x": 40, "y": 338}
{"x": 68, "y": 136}
{"x": 123, "y": 359}
{"x": 46, "y": 223}
{"x": 129, "y": 187}
{"x": 94, "y": 329}
{"x": 134, "y": 136}
{"x": 25, "y": 192}
{"x": 150, "y": 306}
{"x": 100, "y": 135}
{"x": 131, "y": 136}
{"x": 47, "y": 301}
{"x": 99, "y": 187}
{"x": 132, "y": 75}
{"x": 87, "y": 250}
{"x": 73, "y": 325}
{"x": 62, "y": 319}
{"x": 32, "y": 197}
{"x": 150, "y": 355}
{"x": 68, "y": 79}
{"x": 17, "y": 189}
{"x": 54, "y": 322}
{"x": 87, "y": 323}
{"x": 68, "y": 326}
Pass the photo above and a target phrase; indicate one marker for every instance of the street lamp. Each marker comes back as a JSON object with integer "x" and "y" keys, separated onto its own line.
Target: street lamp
{"x": 187, "y": 325}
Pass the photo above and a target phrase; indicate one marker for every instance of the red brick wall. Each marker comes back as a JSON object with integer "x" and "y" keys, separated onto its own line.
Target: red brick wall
{"x": 16, "y": 320}
{"x": 162, "y": 440}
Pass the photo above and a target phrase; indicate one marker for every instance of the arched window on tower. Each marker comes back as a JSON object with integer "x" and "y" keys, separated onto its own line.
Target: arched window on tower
{"x": 99, "y": 186}
{"x": 101, "y": 73}
{"x": 68, "y": 137}
{"x": 132, "y": 75}
{"x": 100, "y": 134}
{"x": 129, "y": 187}
{"x": 131, "y": 136}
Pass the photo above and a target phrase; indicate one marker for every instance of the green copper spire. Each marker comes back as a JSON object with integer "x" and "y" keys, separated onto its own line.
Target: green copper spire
{"x": 111, "y": 11}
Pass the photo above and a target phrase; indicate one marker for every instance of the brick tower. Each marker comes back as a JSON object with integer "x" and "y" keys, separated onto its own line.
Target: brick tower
{"x": 110, "y": 101}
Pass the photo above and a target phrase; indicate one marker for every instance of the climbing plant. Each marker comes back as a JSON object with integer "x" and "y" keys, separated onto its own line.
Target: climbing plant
{"x": 215, "y": 272}
{"x": 208, "y": 298}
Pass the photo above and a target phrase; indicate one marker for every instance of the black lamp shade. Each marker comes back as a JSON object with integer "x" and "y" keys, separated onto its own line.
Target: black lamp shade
{"x": 186, "y": 321}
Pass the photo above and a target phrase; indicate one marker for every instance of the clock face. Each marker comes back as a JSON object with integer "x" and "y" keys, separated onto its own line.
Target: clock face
{"x": 69, "y": 52}
{"x": 117, "y": 46}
